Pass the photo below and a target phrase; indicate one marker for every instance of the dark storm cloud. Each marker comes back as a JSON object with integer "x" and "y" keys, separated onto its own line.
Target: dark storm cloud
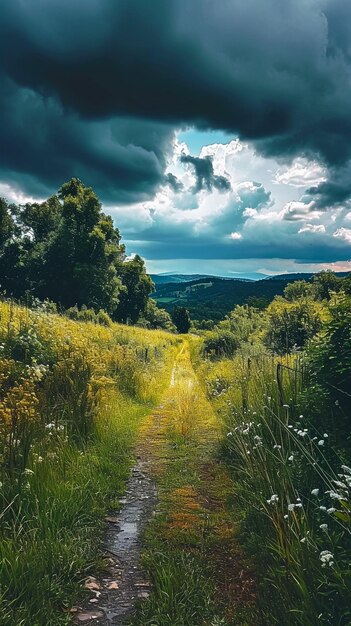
{"x": 42, "y": 146}
{"x": 174, "y": 182}
{"x": 205, "y": 176}
{"x": 335, "y": 191}
{"x": 324, "y": 251}
{"x": 276, "y": 72}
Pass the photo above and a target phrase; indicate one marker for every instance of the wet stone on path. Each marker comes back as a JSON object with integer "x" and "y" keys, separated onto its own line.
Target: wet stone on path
{"x": 114, "y": 595}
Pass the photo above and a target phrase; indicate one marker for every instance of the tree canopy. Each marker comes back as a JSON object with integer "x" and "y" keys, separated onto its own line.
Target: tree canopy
{"x": 68, "y": 250}
{"x": 181, "y": 319}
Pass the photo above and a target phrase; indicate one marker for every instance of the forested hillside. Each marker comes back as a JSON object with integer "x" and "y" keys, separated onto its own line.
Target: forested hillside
{"x": 212, "y": 298}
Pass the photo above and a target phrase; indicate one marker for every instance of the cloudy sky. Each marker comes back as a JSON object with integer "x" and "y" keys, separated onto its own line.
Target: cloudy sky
{"x": 216, "y": 132}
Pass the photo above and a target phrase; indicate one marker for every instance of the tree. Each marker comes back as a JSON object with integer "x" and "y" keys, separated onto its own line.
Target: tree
{"x": 13, "y": 253}
{"x": 156, "y": 318}
{"x": 84, "y": 255}
{"x": 243, "y": 321}
{"x": 300, "y": 289}
{"x": 40, "y": 220}
{"x": 67, "y": 250}
{"x": 292, "y": 324}
{"x": 137, "y": 286}
{"x": 220, "y": 342}
{"x": 181, "y": 319}
{"x": 326, "y": 282}
{"x": 7, "y": 226}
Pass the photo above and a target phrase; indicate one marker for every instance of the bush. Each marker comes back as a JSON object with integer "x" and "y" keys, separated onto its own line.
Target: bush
{"x": 292, "y": 324}
{"x": 88, "y": 315}
{"x": 220, "y": 343}
{"x": 329, "y": 367}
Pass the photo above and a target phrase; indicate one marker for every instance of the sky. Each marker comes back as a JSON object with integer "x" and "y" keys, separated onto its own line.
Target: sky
{"x": 217, "y": 134}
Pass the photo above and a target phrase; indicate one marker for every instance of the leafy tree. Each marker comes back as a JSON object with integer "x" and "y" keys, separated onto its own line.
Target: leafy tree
{"x": 84, "y": 255}
{"x": 66, "y": 249}
{"x": 181, "y": 319}
{"x": 243, "y": 321}
{"x": 137, "y": 286}
{"x": 7, "y": 226}
{"x": 13, "y": 253}
{"x": 346, "y": 284}
{"x": 258, "y": 302}
{"x": 292, "y": 324}
{"x": 205, "y": 325}
{"x": 40, "y": 220}
{"x": 300, "y": 289}
{"x": 326, "y": 282}
{"x": 220, "y": 343}
{"x": 156, "y": 318}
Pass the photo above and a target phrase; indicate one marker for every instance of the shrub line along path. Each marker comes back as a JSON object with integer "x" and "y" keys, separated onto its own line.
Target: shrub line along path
{"x": 175, "y": 508}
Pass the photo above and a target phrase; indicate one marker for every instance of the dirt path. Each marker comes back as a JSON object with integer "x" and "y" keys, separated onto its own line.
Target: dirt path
{"x": 189, "y": 506}
{"x": 114, "y": 595}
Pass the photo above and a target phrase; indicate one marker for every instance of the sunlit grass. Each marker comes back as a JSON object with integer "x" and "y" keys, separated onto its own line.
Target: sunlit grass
{"x": 72, "y": 398}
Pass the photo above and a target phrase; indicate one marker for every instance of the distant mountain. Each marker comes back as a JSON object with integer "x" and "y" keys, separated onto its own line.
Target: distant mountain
{"x": 302, "y": 276}
{"x": 167, "y": 277}
{"x": 212, "y": 297}
{"x": 249, "y": 276}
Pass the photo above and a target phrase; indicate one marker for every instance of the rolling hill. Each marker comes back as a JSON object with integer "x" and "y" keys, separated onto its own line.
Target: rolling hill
{"x": 212, "y": 297}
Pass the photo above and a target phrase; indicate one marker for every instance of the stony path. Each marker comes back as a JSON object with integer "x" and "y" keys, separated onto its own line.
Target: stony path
{"x": 114, "y": 595}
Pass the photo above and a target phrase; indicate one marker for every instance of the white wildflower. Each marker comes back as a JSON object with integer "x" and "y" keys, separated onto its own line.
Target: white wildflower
{"x": 302, "y": 433}
{"x": 274, "y": 498}
{"x": 315, "y": 492}
{"x": 324, "y": 527}
{"x": 335, "y": 496}
{"x": 326, "y": 558}
{"x": 340, "y": 484}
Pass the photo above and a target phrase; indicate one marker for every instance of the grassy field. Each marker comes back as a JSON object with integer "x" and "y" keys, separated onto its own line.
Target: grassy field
{"x": 73, "y": 397}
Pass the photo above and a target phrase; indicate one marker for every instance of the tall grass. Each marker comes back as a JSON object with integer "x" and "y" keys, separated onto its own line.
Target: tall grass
{"x": 71, "y": 399}
{"x": 292, "y": 489}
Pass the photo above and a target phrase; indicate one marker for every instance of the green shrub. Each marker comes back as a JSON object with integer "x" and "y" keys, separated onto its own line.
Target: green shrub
{"x": 220, "y": 343}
